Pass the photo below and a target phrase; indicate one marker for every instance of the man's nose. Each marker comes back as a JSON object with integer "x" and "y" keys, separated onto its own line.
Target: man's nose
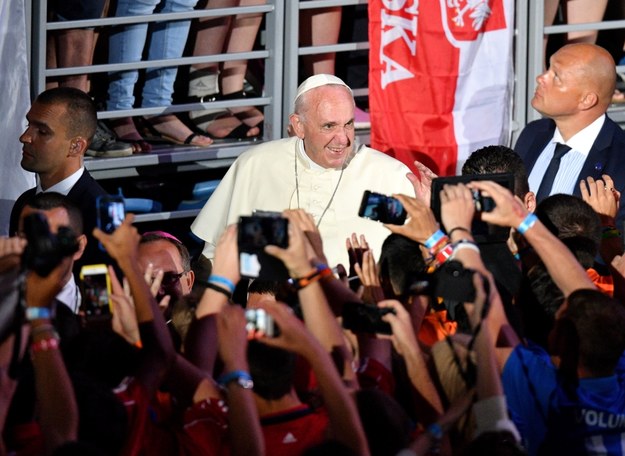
{"x": 25, "y": 137}
{"x": 540, "y": 79}
{"x": 343, "y": 134}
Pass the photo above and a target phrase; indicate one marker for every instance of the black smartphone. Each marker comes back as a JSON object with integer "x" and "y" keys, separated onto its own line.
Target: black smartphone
{"x": 111, "y": 212}
{"x": 258, "y": 321}
{"x": 254, "y": 233}
{"x": 364, "y": 318}
{"x": 382, "y": 208}
{"x": 95, "y": 283}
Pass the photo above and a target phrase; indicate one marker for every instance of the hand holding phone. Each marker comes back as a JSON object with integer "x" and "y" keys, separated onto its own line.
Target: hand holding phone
{"x": 382, "y": 208}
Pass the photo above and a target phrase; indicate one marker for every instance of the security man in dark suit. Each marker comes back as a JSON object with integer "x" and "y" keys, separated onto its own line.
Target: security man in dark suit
{"x": 576, "y": 139}
{"x": 61, "y": 124}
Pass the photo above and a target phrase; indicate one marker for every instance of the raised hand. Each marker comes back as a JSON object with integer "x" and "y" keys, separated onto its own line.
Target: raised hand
{"x": 457, "y": 206}
{"x": 226, "y": 261}
{"x": 122, "y": 244}
{"x": 602, "y": 196}
{"x": 295, "y": 256}
{"x": 306, "y": 223}
{"x": 509, "y": 210}
{"x": 11, "y": 249}
{"x": 421, "y": 223}
{"x": 422, "y": 182}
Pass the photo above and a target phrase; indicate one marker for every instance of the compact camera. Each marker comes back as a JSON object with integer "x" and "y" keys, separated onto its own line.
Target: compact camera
{"x": 482, "y": 203}
{"x": 46, "y": 250}
{"x": 452, "y": 282}
{"x": 364, "y": 318}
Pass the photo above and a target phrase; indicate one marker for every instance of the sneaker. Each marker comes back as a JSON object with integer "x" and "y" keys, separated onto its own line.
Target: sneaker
{"x": 106, "y": 145}
{"x": 362, "y": 119}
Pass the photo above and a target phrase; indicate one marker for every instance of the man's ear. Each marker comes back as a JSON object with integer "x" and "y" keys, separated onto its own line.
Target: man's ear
{"x": 530, "y": 201}
{"x": 588, "y": 101}
{"x": 297, "y": 125}
{"x": 78, "y": 146}
{"x": 190, "y": 278}
{"x": 82, "y": 244}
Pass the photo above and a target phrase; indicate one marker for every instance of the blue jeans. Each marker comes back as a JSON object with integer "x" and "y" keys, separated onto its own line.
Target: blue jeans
{"x": 167, "y": 40}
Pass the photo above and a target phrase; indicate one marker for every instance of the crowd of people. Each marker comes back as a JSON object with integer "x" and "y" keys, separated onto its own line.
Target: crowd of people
{"x": 436, "y": 336}
{"x": 207, "y": 82}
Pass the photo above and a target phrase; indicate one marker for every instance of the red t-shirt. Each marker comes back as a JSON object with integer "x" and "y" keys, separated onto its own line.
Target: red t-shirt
{"x": 290, "y": 432}
{"x": 205, "y": 429}
{"x": 136, "y": 401}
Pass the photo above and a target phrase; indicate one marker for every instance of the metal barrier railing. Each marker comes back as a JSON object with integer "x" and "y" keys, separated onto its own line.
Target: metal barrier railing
{"x": 293, "y": 51}
{"x": 272, "y": 55}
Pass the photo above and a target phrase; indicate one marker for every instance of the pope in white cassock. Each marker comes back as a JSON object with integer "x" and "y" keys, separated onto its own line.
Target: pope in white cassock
{"x": 319, "y": 170}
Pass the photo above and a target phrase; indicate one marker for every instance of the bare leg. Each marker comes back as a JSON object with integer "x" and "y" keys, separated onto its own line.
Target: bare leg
{"x": 78, "y": 51}
{"x": 320, "y": 27}
{"x": 51, "y": 58}
{"x": 71, "y": 48}
{"x": 242, "y": 37}
{"x": 210, "y": 39}
{"x": 580, "y": 11}
{"x": 551, "y": 8}
{"x": 211, "y": 34}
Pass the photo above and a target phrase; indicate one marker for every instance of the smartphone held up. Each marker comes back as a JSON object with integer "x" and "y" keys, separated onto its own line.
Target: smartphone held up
{"x": 96, "y": 291}
{"x": 255, "y": 232}
{"x": 382, "y": 208}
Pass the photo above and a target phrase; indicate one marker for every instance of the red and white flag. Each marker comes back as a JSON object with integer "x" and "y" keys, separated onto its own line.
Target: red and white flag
{"x": 440, "y": 78}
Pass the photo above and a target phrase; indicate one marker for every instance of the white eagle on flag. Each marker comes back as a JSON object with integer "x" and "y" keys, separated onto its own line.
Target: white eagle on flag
{"x": 479, "y": 12}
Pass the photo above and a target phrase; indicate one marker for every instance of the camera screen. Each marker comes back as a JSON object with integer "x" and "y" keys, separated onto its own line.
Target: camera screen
{"x": 259, "y": 322}
{"x": 257, "y": 232}
{"x": 385, "y": 209}
{"x": 95, "y": 294}
{"x": 111, "y": 214}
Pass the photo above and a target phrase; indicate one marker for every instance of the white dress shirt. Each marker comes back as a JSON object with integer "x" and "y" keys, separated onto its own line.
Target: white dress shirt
{"x": 70, "y": 296}
{"x": 571, "y": 164}
{"x": 64, "y": 186}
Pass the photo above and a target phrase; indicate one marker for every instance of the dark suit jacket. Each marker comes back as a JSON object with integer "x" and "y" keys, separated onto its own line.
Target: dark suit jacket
{"x": 607, "y": 155}
{"x": 83, "y": 194}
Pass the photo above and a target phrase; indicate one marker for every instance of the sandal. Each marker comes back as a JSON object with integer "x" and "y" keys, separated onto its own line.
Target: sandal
{"x": 151, "y": 124}
{"x": 246, "y": 115}
{"x": 126, "y": 130}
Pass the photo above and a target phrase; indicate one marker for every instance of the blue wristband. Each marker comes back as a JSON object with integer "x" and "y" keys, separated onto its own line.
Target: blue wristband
{"x": 223, "y": 281}
{"x": 38, "y": 313}
{"x": 527, "y": 223}
{"x": 436, "y": 431}
{"x": 432, "y": 240}
{"x": 243, "y": 379}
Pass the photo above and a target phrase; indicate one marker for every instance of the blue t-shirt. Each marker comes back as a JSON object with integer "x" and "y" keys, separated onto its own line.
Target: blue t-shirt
{"x": 589, "y": 420}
